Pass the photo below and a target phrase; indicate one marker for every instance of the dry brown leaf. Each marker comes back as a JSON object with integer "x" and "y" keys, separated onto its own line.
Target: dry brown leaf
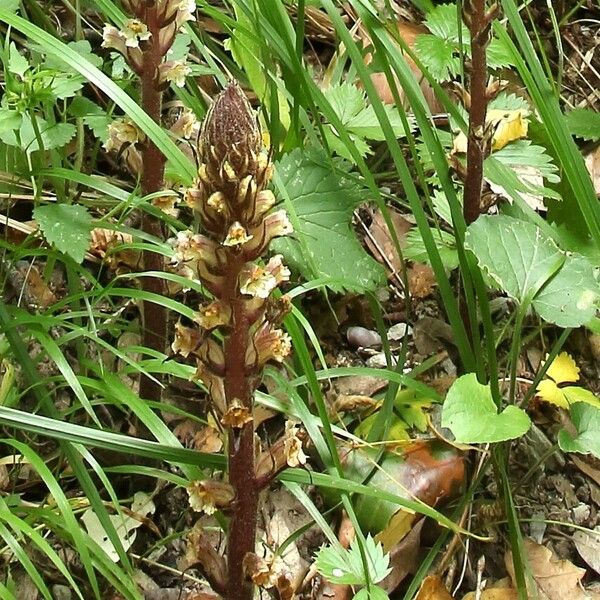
{"x": 494, "y": 593}
{"x": 588, "y": 546}
{"x": 353, "y": 403}
{"x": 592, "y": 162}
{"x": 556, "y": 579}
{"x": 433, "y": 588}
{"x": 586, "y": 466}
{"x": 208, "y": 439}
{"x": 380, "y": 243}
{"x": 408, "y": 32}
{"x": 421, "y": 280}
{"x": 360, "y": 385}
{"x": 27, "y": 281}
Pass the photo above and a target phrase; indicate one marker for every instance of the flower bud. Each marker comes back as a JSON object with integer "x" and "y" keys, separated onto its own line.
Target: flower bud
{"x": 230, "y": 138}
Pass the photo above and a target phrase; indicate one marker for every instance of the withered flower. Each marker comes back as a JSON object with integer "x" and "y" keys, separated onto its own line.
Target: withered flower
{"x": 260, "y": 570}
{"x": 293, "y": 446}
{"x": 186, "y": 340}
{"x": 122, "y": 132}
{"x": 213, "y": 314}
{"x": 209, "y": 495}
{"x": 237, "y": 415}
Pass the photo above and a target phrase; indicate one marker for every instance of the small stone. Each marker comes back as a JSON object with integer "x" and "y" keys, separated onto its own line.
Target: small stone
{"x": 362, "y": 337}
{"x": 378, "y": 361}
{"x": 61, "y": 592}
{"x": 397, "y": 332}
{"x": 594, "y": 340}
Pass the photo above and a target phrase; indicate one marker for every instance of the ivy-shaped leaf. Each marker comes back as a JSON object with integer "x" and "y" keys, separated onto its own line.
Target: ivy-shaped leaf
{"x": 519, "y": 257}
{"x": 470, "y": 413}
{"x": 67, "y": 226}
{"x": 324, "y": 245}
{"x": 586, "y": 419}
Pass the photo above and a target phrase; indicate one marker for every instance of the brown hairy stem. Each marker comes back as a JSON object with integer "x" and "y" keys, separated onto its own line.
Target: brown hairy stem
{"x": 242, "y": 527}
{"x": 154, "y": 316}
{"x": 478, "y": 22}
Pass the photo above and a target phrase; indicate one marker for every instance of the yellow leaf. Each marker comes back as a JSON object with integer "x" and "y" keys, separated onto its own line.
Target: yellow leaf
{"x": 509, "y": 125}
{"x": 563, "y": 369}
{"x": 548, "y": 390}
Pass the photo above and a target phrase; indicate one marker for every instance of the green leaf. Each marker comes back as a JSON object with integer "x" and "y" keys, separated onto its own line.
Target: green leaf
{"x": 438, "y": 55}
{"x": 322, "y": 199}
{"x": 65, "y": 86}
{"x": 53, "y": 136}
{"x": 522, "y": 153}
{"x": 358, "y": 118}
{"x": 443, "y": 21}
{"x": 586, "y": 419}
{"x": 470, "y": 413}
{"x": 584, "y": 123}
{"x": 375, "y": 593}
{"x": 10, "y": 5}
{"x": 446, "y": 244}
{"x": 82, "y": 47}
{"x": 9, "y": 120}
{"x": 499, "y": 55}
{"x": 520, "y": 258}
{"x": 67, "y": 226}
{"x": 17, "y": 63}
{"x": 508, "y": 102}
{"x": 346, "y": 566}
{"x": 93, "y": 116}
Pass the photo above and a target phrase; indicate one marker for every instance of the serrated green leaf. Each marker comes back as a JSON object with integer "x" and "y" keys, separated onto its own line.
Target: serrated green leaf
{"x": 584, "y": 123}
{"x": 519, "y": 257}
{"x": 375, "y": 593}
{"x": 324, "y": 245}
{"x": 438, "y": 55}
{"x": 470, "y": 413}
{"x": 67, "y": 226}
{"x": 346, "y": 100}
{"x": 93, "y": 116}
{"x": 366, "y": 124}
{"x": 499, "y": 55}
{"x": 586, "y": 419}
{"x": 346, "y": 566}
{"x": 523, "y": 153}
{"x": 17, "y": 63}
{"x": 332, "y": 564}
{"x": 53, "y": 136}
{"x": 444, "y": 20}
{"x": 508, "y": 102}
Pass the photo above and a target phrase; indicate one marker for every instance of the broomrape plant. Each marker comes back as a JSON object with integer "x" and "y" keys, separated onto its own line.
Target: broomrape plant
{"x": 234, "y": 208}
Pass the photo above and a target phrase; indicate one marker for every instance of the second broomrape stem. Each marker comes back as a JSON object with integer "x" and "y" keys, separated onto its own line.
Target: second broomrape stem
{"x": 154, "y": 315}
